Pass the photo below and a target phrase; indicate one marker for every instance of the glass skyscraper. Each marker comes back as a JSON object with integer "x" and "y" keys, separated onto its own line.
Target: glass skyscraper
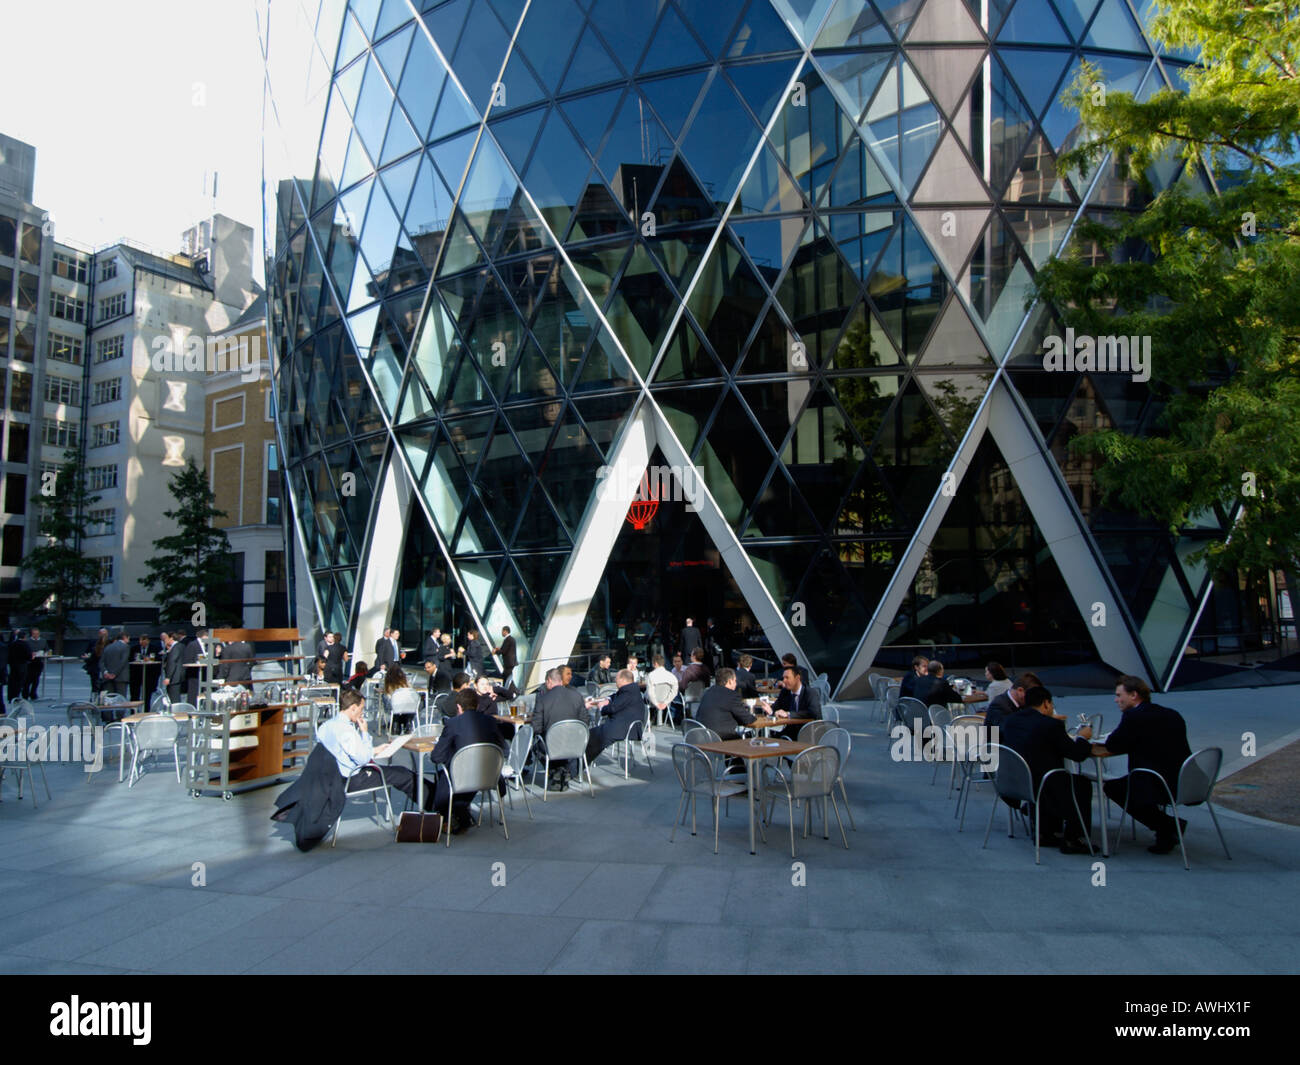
{"x": 775, "y": 253}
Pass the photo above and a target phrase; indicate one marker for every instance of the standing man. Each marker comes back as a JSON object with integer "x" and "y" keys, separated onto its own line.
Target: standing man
{"x": 506, "y": 650}
{"x": 173, "y": 671}
{"x": 236, "y": 667}
{"x": 20, "y": 657}
{"x": 473, "y": 653}
{"x": 384, "y": 655}
{"x": 335, "y": 658}
{"x": 691, "y": 640}
{"x": 91, "y": 659}
{"x": 114, "y": 664}
{"x": 430, "y": 652}
{"x": 1153, "y": 737}
{"x": 40, "y": 648}
{"x": 194, "y": 651}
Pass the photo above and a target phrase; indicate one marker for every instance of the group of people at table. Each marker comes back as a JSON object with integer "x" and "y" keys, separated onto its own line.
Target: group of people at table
{"x": 1024, "y": 714}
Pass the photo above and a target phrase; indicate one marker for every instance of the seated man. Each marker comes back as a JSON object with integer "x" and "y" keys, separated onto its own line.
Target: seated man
{"x": 1153, "y": 737}
{"x": 622, "y": 708}
{"x": 1036, "y": 734}
{"x": 746, "y": 682}
{"x": 602, "y": 674}
{"x": 558, "y": 702}
{"x": 722, "y": 707}
{"x": 347, "y": 738}
{"x": 466, "y": 728}
{"x": 1010, "y": 701}
{"x": 938, "y": 692}
{"x": 790, "y": 660}
{"x": 907, "y": 689}
{"x": 661, "y": 691}
{"x": 696, "y": 671}
{"x": 796, "y": 700}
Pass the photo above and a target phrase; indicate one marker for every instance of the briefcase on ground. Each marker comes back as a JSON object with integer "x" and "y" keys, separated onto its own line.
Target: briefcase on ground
{"x": 413, "y": 827}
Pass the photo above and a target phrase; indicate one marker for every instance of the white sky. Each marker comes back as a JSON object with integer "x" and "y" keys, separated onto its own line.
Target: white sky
{"x": 106, "y": 92}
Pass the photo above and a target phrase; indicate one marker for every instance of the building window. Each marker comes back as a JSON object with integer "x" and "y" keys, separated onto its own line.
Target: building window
{"x": 105, "y": 434}
{"x": 12, "y": 551}
{"x": 6, "y": 286}
{"x": 16, "y": 493}
{"x": 105, "y": 569}
{"x": 30, "y": 251}
{"x": 73, "y": 267}
{"x": 20, "y": 392}
{"x": 19, "y": 435}
{"x": 106, "y": 391}
{"x": 29, "y": 291}
{"x": 109, "y": 348}
{"x": 272, "y": 485}
{"x": 24, "y": 341}
{"x": 67, "y": 307}
{"x": 63, "y": 348}
{"x": 101, "y": 522}
{"x": 101, "y": 477}
{"x": 8, "y": 235}
{"x": 62, "y": 390}
{"x": 58, "y": 433}
{"x": 108, "y": 270}
{"x": 112, "y": 307}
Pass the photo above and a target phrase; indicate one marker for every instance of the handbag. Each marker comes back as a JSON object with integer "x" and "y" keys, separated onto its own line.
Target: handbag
{"x": 415, "y": 827}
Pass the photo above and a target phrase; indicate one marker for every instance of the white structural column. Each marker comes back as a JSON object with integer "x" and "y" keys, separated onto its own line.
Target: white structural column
{"x": 383, "y": 555}
{"x": 600, "y": 528}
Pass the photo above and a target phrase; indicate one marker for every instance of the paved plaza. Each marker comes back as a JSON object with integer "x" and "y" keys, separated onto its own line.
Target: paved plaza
{"x": 102, "y": 880}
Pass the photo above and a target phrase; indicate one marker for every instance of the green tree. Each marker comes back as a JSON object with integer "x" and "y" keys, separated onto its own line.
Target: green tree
{"x": 194, "y": 565}
{"x": 63, "y": 579}
{"x": 1210, "y": 276}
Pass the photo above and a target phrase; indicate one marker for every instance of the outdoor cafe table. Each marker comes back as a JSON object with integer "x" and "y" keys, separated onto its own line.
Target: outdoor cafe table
{"x": 753, "y": 752}
{"x": 1097, "y": 773}
{"x": 514, "y": 719}
{"x": 763, "y": 723}
{"x": 421, "y": 745}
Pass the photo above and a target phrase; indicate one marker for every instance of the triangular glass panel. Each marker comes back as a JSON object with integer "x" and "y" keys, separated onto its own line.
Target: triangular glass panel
{"x": 775, "y": 405}
{"x": 606, "y": 366}
{"x": 733, "y": 459}
{"x": 590, "y": 116}
{"x": 780, "y": 509}
{"x": 863, "y": 344}
{"x": 503, "y": 477}
{"x": 373, "y": 108}
{"x": 398, "y": 179}
{"x": 727, "y": 301}
{"x": 533, "y": 376}
{"x": 557, "y": 174}
{"x": 762, "y": 86}
{"x": 488, "y": 192}
{"x": 477, "y": 62}
{"x": 1032, "y": 22}
{"x": 1075, "y": 14}
{"x": 404, "y": 313}
{"x": 673, "y": 45}
{"x": 636, "y": 139}
{"x": 772, "y": 348}
{"x": 462, "y": 250}
{"x": 954, "y": 341}
{"x": 680, "y": 256}
{"x": 1041, "y": 232}
{"x": 861, "y": 237}
{"x": 686, "y": 357}
{"x": 641, "y": 309}
{"x": 392, "y": 53}
{"x": 951, "y": 234}
{"x": 416, "y": 403}
{"x": 864, "y": 401}
{"x": 539, "y": 527}
{"x": 523, "y": 231}
{"x": 1037, "y": 179}
{"x": 358, "y": 164}
{"x": 453, "y": 115}
{"x": 527, "y": 281}
{"x": 720, "y": 163}
{"x": 802, "y": 17}
{"x": 855, "y": 77}
{"x": 912, "y": 450}
{"x": 761, "y": 32}
{"x": 711, "y": 21}
{"x": 1012, "y": 115}
{"x": 673, "y": 98}
{"x": 428, "y": 212}
{"x": 603, "y": 418}
{"x": 1047, "y": 395}
{"x": 768, "y": 188}
{"x": 547, "y": 38}
{"x": 592, "y": 65}
{"x": 1036, "y": 72}
{"x": 597, "y": 267}
{"x": 452, "y": 158}
{"x": 516, "y": 134}
{"x": 598, "y": 214}
{"x": 1113, "y": 27}
{"x": 680, "y": 198}
{"x": 947, "y": 72}
{"x": 625, "y": 27}
{"x": 769, "y": 242}
{"x": 947, "y": 21}
{"x": 853, "y": 24}
{"x": 956, "y": 396}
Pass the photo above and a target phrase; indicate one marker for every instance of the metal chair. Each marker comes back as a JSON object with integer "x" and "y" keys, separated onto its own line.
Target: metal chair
{"x": 969, "y": 728}
{"x": 565, "y": 740}
{"x": 873, "y": 683}
{"x": 691, "y": 696}
{"x": 908, "y": 710}
{"x": 157, "y": 732}
{"x": 814, "y": 731}
{"x": 591, "y": 689}
{"x": 476, "y": 768}
{"x": 1013, "y": 780}
{"x": 940, "y": 717}
{"x": 830, "y": 713}
{"x": 21, "y": 765}
{"x": 514, "y": 767}
{"x": 892, "y": 693}
{"x": 689, "y": 723}
{"x": 812, "y": 775}
{"x": 159, "y": 702}
{"x": 695, "y": 773}
{"x": 374, "y": 793}
{"x": 637, "y": 732}
{"x": 840, "y": 739}
{"x": 1196, "y": 780}
{"x": 404, "y": 702}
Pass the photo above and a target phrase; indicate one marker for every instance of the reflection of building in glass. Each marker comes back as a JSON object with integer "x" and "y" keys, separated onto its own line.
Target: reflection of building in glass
{"x": 785, "y": 243}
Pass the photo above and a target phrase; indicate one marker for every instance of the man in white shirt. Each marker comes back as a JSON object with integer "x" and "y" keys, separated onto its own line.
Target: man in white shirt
{"x": 347, "y": 738}
{"x": 661, "y": 689}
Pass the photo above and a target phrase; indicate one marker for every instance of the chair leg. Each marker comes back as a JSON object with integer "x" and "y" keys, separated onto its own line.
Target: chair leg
{"x": 790, "y": 810}
{"x": 836, "y": 807}
{"x": 524, "y": 789}
{"x": 502, "y": 810}
{"x": 826, "y": 821}
{"x": 847, "y": 808}
{"x": 715, "y": 823}
{"x": 546, "y": 777}
{"x": 1182, "y": 843}
{"x": 677, "y": 817}
{"x": 1223, "y": 842}
{"x": 44, "y": 781}
{"x": 992, "y": 814}
{"x": 591, "y": 788}
{"x": 692, "y": 813}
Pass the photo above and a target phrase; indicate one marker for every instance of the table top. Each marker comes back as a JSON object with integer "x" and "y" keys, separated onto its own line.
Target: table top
{"x": 773, "y": 722}
{"x": 513, "y": 719}
{"x": 421, "y": 743}
{"x": 746, "y": 749}
{"x": 119, "y": 706}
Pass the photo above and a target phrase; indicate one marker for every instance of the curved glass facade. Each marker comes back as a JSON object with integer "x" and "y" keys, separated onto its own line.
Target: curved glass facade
{"x": 515, "y": 245}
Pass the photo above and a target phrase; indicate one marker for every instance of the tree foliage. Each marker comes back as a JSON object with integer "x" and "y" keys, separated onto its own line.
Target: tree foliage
{"x": 194, "y": 565}
{"x": 1212, "y": 276}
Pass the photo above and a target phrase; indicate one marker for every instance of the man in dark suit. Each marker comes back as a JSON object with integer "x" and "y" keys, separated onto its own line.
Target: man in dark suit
{"x": 722, "y": 707}
{"x": 1010, "y": 701}
{"x": 621, "y": 709}
{"x": 790, "y": 660}
{"x": 1153, "y": 737}
{"x": 234, "y": 671}
{"x": 466, "y": 728}
{"x": 934, "y": 690}
{"x": 40, "y": 647}
{"x": 746, "y": 682}
{"x": 603, "y": 673}
{"x": 1039, "y": 737}
{"x": 173, "y": 670}
{"x": 797, "y": 700}
{"x": 690, "y": 639}
{"x": 696, "y": 671}
{"x": 557, "y": 702}
{"x": 20, "y": 657}
{"x": 384, "y": 653}
{"x": 430, "y": 652}
{"x": 473, "y": 653}
{"x": 335, "y": 658}
{"x": 509, "y": 658}
{"x": 907, "y": 689}
{"x": 115, "y": 663}
{"x": 194, "y": 651}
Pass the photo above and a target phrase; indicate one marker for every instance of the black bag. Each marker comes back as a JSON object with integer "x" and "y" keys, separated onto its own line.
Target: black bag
{"x": 415, "y": 827}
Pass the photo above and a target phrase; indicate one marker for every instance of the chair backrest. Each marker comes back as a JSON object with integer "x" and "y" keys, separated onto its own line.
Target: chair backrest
{"x": 1012, "y": 780}
{"x": 830, "y": 713}
{"x": 940, "y": 716}
{"x": 693, "y": 768}
{"x": 814, "y": 771}
{"x": 822, "y": 685}
{"x": 879, "y": 686}
{"x": 699, "y": 734}
{"x": 603, "y": 691}
{"x": 432, "y": 731}
{"x": 567, "y": 739}
{"x": 110, "y": 697}
{"x": 182, "y": 708}
{"x": 476, "y": 767}
{"x": 405, "y": 701}
{"x": 592, "y": 689}
{"x": 814, "y": 731}
{"x": 159, "y": 703}
{"x": 908, "y": 710}
{"x": 689, "y": 723}
{"x": 442, "y": 704}
{"x": 1199, "y": 774}
{"x": 519, "y": 748}
{"x": 156, "y": 732}
{"x": 694, "y": 691}
{"x": 892, "y": 693}
{"x": 872, "y": 680}
{"x": 840, "y": 739}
